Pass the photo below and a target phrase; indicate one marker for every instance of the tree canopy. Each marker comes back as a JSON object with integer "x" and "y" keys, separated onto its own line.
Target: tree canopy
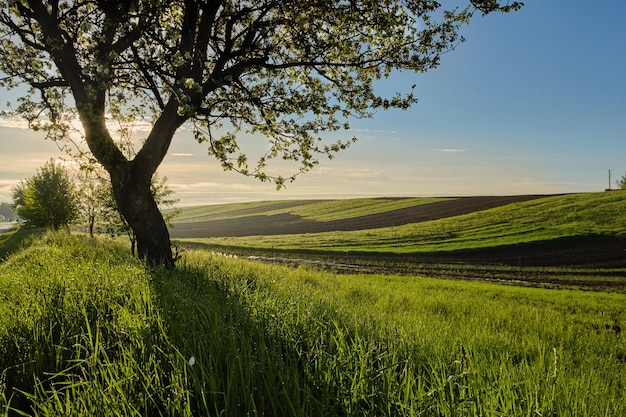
{"x": 7, "y": 213}
{"x": 621, "y": 183}
{"x": 289, "y": 71}
{"x": 47, "y": 199}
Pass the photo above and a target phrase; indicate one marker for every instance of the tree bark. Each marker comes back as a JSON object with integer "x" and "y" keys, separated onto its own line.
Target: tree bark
{"x": 131, "y": 181}
{"x": 137, "y": 205}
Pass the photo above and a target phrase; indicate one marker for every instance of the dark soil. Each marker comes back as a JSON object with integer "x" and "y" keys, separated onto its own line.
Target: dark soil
{"x": 592, "y": 251}
{"x": 285, "y": 224}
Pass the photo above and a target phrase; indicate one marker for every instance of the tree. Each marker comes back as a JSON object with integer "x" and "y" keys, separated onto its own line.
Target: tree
{"x": 6, "y": 212}
{"x": 621, "y": 183}
{"x": 94, "y": 196}
{"x": 99, "y": 208}
{"x": 163, "y": 196}
{"x": 287, "y": 70}
{"x": 48, "y": 199}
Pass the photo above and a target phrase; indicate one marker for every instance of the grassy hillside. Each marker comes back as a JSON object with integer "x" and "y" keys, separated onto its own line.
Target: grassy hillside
{"x": 324, "y": 211}
{"x": 531, "y": 221}
{"x": 87, "y": 330}
{"x": 317, "y": 210}
{"x": 235, "y": 210}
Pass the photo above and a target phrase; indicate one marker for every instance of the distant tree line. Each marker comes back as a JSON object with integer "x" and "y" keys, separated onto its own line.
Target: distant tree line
{"x": 7, "y": 214}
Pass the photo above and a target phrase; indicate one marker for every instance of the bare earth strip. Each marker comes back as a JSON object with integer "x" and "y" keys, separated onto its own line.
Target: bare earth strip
{"x": 284, "y": 224}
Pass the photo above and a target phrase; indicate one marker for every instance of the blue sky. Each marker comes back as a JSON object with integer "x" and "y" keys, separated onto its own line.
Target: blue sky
{"x": 532, "y": 102}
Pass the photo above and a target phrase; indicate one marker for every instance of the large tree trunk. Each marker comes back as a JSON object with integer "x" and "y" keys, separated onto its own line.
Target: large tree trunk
{"x": 131, "y": 179}
{"x": 137, "y": 205}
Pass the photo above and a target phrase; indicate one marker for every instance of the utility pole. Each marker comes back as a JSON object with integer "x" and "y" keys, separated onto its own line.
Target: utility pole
{"x": 609, "y": 180}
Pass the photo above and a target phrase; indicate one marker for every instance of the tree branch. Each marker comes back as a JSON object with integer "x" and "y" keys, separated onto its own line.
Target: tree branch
{"x": 59, "y": 82}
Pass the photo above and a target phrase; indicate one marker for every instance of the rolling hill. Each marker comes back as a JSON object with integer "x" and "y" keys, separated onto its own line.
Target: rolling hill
{"x": 562, "y": 230}
{"x": 315, "y": 216}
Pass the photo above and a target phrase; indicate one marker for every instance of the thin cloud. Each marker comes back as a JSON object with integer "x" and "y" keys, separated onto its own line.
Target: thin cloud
{"x": 13, "y": 122}
{"x": 450, "y": 150}
{"x": 364, "y": 173}
{"x": 141, "y": 125}
{"x": 194, "y": 185}
{"x": 181, "y": 154}
{"x": 6, "y": 187}
{"x": 369, "y": 131}
{"x": 347, "y": 172}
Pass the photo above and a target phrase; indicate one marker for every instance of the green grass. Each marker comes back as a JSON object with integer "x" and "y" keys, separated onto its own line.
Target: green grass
{"x": 16, "y": 238}
{"x": 87, "y": 330}
{"x": 79, "y": 333}
{"x": 317, "y": 210}
{"x": 531, "y": 221}
{"x": 324, "y": 211}
{"x": 235, "y": 210}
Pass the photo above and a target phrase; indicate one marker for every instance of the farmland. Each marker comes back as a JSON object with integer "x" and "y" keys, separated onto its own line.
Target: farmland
{"x": 574, "y": 240}
{"x": 315, "y": 216}
{"x": 434, "y": 316}
{"x": 454, "y": 226}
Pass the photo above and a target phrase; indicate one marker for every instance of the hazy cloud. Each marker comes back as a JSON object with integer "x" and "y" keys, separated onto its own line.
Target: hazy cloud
{"x": 331, "y": 173}
{"x": 7, "y": 184}
{"x": 139, "y": 125}
{"x": 363, "y": 173}
{"x": 450, "y": 150}
{"x": 13, "y": 122}
{"x": 5, "y": 190}
{"x": 193, "y": 186}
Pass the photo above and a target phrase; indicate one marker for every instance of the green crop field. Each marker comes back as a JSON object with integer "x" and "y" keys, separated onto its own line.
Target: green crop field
{"x": 235, "y": 210}
{"x": 85, "y": 329}
{"x": 531, "y": 221}
{"x": 318, "y": 210}
{"x": 324, "y": 211}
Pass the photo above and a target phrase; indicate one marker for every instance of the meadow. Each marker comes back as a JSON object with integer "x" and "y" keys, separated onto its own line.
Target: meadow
{"x": 85, "y": 329}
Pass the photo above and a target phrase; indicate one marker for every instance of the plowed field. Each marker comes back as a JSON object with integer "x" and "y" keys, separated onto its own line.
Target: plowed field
{"x": 583, "y": 251}
{"x": 285, "y": 224}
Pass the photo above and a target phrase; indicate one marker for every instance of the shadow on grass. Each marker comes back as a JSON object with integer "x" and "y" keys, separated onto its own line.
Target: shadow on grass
{"x": 17, "y": 238}
{"x": 241, "y": 359}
